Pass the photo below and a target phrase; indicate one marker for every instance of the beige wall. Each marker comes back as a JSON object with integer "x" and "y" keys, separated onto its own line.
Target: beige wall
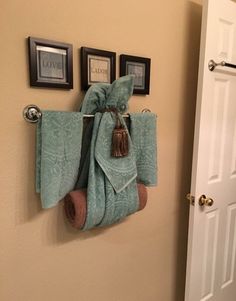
{"x": 143, "y": 258}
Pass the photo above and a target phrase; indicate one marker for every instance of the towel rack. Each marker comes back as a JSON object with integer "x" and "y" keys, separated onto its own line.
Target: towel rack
{"x": 212, "y": 65}
{"x": 32, "y": 113}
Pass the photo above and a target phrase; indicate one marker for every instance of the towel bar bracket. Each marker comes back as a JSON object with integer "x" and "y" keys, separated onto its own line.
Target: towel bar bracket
{"x": 32, "y": 113}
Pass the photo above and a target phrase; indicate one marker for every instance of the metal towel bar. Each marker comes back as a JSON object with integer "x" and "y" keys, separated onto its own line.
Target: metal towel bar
{"x": 32, "y": 113}
{"x": 212, "y": 65}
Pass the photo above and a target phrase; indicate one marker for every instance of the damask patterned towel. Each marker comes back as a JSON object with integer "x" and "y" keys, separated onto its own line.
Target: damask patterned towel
{"x": 104, "y": 205}
{"x": 75, "y": 205}
{"x": 119, "y": 171}
{"x": 59, "y": 139}
{"x": 101, "y": 96}
{"x": 143, "y": 136}
{"x": 112, "y": 190}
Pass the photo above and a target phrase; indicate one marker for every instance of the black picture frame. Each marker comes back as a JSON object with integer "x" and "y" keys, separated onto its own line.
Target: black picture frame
{"x": 50, "y": 63}
{"x": 140, "y": 67}
{"x": 97, "y": 66}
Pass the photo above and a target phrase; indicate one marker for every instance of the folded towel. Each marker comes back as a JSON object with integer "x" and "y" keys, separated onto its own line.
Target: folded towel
{"x": 112, "y": 192}
{"x": 75, "y": 205}
{"x": 104, "y": 205}
{"x": 143, "y": 136}
{"x": 111, "y": 185}
{"x": 101, "y": 96}
{"x": 119, "y": 171}
{"x": 59, "y": 137}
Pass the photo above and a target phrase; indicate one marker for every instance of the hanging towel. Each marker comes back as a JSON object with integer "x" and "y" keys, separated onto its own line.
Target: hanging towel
{"x": 111, "y": 182}
{"x": 59, "y": 139}
{"x": 112, "y": 192}
{"x": 119, "y": 171}
{"x": 143, "y": 136}
{"x": 104, "y": 205}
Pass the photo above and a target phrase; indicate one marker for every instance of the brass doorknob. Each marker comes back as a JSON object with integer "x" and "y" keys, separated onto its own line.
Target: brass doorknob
{"x": 203, "y": 200}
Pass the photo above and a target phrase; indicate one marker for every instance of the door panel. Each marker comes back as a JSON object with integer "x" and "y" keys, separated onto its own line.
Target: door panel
{"x": 226, "y": 35}
{"x": 230, "y": 247}
{"x": 212, "y": 230}
{"x": 209, "y": 254}
{"x": 218, "y": 128}
{"x": 233, "y": 164}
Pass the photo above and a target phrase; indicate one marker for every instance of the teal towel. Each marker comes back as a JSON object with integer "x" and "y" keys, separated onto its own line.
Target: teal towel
{"x": 104, "y": 205}
{"x": 112, "y": 189}
{"x": 111, "y": 182}
{"x": 59, "y": 139}
{"x": 143, "y": 136}
{"x": 119, "y": 171}
{"x": 101, "y": 96}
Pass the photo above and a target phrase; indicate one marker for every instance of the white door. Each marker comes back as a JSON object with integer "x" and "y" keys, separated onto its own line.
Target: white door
{"x": 211, "y": 261}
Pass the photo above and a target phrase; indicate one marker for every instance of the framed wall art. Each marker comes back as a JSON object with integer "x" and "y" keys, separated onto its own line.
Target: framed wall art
{"x": 50, "y": 63}
{"x": 97, "y": 66}
{"x": 140, "y": 68}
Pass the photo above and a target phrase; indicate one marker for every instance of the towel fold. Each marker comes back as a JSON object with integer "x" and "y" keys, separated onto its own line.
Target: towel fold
{"x": 119, "y": 171}
{"x": 104, "y": 205}
{"x": 75, "y": 205}
{"x": 59, "y": 139}
{"x": 100, "y": 96}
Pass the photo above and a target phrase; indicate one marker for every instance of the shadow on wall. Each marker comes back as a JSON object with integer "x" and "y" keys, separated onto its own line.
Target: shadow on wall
{"x": 192, "y": 47}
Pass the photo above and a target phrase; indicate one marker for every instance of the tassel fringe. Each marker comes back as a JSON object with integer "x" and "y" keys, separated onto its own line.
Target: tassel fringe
{"x": 120, "y": 142}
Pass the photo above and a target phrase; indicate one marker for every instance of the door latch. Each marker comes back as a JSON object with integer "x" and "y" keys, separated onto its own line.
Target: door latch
{"x": 191, "y": 199}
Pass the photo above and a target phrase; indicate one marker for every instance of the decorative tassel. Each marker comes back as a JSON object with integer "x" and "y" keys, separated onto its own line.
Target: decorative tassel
{"x": 120, "y": 143}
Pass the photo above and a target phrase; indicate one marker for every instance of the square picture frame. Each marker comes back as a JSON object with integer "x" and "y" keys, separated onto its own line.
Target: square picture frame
{"x": 140, "y": 68}
{"x": 50, "y": 63}
{"x": 97, "y": 66}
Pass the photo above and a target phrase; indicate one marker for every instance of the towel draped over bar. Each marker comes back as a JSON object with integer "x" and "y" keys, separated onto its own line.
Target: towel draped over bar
{"x": 69, "y": 158}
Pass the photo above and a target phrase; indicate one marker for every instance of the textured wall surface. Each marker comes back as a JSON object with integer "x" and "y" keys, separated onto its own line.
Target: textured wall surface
{"x": 143, "y": 258}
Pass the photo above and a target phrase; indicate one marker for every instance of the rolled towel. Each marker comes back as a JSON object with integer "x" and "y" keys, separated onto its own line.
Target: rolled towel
{"x": 142, "y": 194}
{"x": 75, "y": 204}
